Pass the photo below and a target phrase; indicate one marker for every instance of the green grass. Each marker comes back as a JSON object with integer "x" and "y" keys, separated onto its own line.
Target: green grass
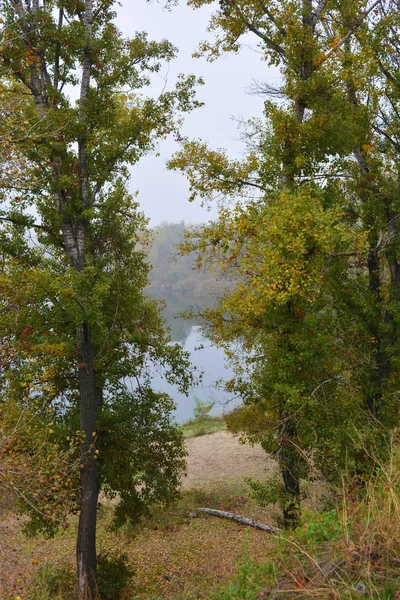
{"x": 203, "y": 426}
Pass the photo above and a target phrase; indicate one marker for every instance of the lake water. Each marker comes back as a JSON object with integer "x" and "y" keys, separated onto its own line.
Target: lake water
{"x": 210, "y": 360}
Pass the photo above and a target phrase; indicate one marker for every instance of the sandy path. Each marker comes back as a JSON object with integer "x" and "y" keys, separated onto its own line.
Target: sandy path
{"x": 220, "y": 456}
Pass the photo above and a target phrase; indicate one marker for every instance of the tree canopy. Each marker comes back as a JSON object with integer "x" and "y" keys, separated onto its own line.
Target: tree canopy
{"x": 307, "y": 228}
{"x": 74, "y": 117}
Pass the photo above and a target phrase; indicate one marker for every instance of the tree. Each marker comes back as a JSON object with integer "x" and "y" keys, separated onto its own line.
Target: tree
{"x": 300, "y": 235}
{"x": 90, "y": 273}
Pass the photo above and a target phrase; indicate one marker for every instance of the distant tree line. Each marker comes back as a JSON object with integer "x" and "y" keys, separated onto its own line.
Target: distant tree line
{"x": 175, "y": 279}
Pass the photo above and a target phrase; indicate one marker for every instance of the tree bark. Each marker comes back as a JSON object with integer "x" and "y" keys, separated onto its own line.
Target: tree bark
{"x": 289, "y": 459}
{"x": 86, "y": 543}
{"x": 289, "y": 467}
{"x": 74, "y": 231}
{"x": 89, "y": 396}
{"x": 381, "y": 367}
{"x": 238, "y": 519}
{"x": 74, "y": 234}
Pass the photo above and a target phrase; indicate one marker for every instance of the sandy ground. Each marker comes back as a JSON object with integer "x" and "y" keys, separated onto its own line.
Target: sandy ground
{"x": 220, "y": 456}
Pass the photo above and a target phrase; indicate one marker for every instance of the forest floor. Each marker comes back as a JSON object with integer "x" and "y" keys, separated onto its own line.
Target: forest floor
{"x": 172, "y": 554}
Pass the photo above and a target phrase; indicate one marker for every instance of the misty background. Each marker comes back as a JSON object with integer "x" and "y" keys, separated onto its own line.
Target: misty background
{"x": 163, "y": 194}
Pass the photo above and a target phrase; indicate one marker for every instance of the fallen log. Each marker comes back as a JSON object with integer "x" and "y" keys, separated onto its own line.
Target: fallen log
{"x": 238, "y": 519}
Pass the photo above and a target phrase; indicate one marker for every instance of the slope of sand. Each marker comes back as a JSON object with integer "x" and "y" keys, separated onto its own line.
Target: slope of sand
{"x": 220, "y": 456}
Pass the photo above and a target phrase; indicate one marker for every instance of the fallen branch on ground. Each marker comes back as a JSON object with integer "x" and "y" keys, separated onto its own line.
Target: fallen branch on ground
{"x": 238, "y": 519}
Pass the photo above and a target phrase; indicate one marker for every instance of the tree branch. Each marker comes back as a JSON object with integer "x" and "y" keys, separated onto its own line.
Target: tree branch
{"x": 317, "y": 12}
{"x": 58, "y": 49}
{"x": 34, "y": 226}
{"x": 84, "y": 92}
{"x": 352, "y": 30}
{"x": 238, "y": 519}
{"x": 271, "y": 17}
{"x": 272, "y": 45}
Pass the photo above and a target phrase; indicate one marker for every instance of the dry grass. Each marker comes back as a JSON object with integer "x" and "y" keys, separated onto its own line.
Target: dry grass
{"x": 351, "y": 551}
{"x": 172, "y": 554}
{"x": 203, "y": 426}
{"x": 196, "y": 559}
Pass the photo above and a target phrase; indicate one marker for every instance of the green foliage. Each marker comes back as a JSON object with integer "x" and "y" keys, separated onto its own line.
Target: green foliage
{"x": 58, "y": 582}
{"x": 206, "y": 426}
{"x": 250, "y": 579}
{"x": 266, "y": 492}
{"x": 202, "y": 423}
{"x": 249, "y": 418}
{"x": 310, "y": 322}
{"x": 316, "y": 528}
{"x": 74, "y": 319}
{"x": 55, "y": 582}
{"x": 350, "y": 548}
{"x": 201, "y": 409}
{"x": 140, "y": 451}
{"x": 114, "y": 573}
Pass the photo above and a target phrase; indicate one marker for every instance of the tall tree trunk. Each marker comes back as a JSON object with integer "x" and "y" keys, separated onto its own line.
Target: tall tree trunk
{"x": 289, "y": 467}
{"x": 380, "y": 367}
{"x": 90, "y": 400}
{"x": 86, "y": 543}
{"x": 289, "y": 459}
{"x": 74, "y": 233}
{"x": 88, "y": 392}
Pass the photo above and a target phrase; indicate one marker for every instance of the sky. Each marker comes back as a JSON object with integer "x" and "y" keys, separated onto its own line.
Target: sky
{"x": 163, "y": 194}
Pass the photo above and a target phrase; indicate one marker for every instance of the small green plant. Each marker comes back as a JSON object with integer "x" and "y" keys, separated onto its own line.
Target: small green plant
{"x": 319, "y": 527}
{"x": 389, "y": 591}
{"x": 205, "y": 427}
{"x": 250, "y": 579}
{"x": 55, "y": 582}
{"x": 200, "y": 431}
{"x": 266, "y": 492}
{"x": 45, "y": 580}
{"x": 202, "y": 422}
{"x": 113, "y": 574}
{"x": 202, "y": 409}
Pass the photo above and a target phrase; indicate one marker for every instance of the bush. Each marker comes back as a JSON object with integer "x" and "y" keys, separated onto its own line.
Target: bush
{"x": 201, "y": 409}
{"x": 268, "y": 492}
{"x": 113, "y": 574}
{"x": 350, "y": 551}
{"x": 250, "y": 579}
{"x": 55, "y": 582}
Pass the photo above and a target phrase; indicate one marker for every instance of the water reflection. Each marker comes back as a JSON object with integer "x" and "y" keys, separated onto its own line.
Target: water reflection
{"x": 180, "y": 329}
{"x": 205, "y": 357}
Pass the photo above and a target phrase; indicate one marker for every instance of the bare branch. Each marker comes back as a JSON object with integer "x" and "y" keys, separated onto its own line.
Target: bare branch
{"x": 263, "y": 88}
{"x": 243, "y": 520}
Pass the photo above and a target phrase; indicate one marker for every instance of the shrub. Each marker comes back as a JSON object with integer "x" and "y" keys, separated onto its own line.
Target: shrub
{"x": 55, "y": 582}
{"x": 113, "y": 574}
{"x": 202, "y": 409}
